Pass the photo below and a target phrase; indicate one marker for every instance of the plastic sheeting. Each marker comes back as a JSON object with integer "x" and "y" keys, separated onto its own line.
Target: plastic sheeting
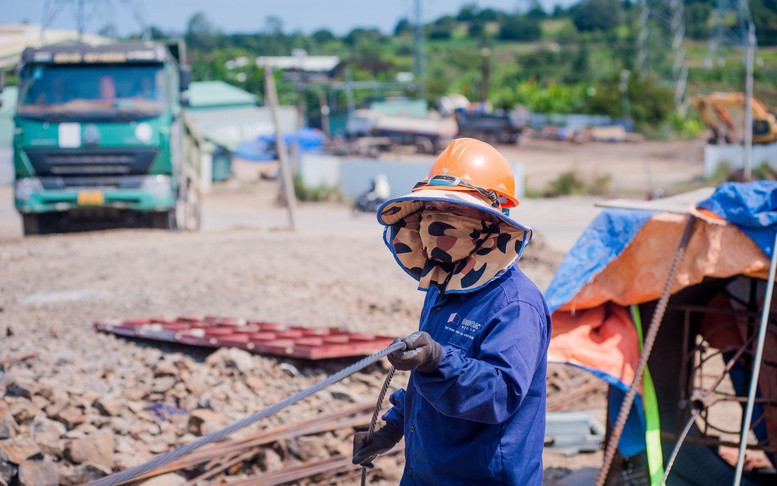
{"x": 262, "y": 149}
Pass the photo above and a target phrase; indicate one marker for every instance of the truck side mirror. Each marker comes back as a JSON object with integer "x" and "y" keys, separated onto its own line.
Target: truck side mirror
{"x": 2, "y": 81}
{"x": 185, "y": 73}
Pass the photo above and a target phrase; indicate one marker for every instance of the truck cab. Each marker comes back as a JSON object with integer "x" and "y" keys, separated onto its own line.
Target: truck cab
{"x": 99, "y": 133}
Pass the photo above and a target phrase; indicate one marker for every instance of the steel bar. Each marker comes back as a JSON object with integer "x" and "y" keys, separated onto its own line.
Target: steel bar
{"x": 650, "y": 339}
{"x": 212, "y": 472}
{"x": 717, "y": 442}
{"x": 334, "y": 421}
{"x": 679, "y": 444}
{"x": 164, "y": 459}
{"x": 757, "y": 365}
{"x": 559, "y": 401}
{"x": 374, "y": 420}
{"x": 283, "y": 476}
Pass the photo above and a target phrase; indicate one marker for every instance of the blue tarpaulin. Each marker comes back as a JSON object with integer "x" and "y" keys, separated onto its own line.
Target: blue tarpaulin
{"x": 752, "y": 206}
{"x": 603, "y": 240}
{"x": 262, "y": 149}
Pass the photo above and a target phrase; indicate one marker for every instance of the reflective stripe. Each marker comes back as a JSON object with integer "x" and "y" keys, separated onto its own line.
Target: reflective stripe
{"x": 655, "y": 454}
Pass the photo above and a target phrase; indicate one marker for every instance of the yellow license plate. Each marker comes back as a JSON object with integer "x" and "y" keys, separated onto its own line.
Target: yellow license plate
{"x": 91, "y": 198}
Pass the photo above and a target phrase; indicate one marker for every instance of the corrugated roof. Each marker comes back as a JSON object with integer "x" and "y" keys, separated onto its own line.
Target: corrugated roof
{"x": 218, "y": 94}
{"x": 300, "y": 63}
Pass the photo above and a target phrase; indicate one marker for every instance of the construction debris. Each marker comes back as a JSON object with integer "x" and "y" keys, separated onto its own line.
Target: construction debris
{"x": 255, "y": 336}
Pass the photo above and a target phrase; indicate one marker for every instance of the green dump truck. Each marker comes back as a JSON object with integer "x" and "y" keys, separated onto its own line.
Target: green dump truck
{"x": 100, "y": 134}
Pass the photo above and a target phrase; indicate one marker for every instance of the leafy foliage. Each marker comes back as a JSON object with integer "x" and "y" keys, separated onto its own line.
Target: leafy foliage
{"x": 570, "y": 60}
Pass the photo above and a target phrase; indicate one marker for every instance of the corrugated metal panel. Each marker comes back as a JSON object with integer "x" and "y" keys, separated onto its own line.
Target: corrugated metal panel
{"x": 218, "y": 94}
{"x": 255, "y": 336}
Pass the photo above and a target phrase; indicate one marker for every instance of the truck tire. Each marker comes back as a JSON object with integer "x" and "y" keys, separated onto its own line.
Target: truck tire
{"x": 32, "y": 224}
{"x": 192, "y": 208}
{"x": 163, "y": 220}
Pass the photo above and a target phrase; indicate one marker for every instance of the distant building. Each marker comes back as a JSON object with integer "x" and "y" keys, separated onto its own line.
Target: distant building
{"x": 301, "y": 67}
{"x": 225, "y": 116}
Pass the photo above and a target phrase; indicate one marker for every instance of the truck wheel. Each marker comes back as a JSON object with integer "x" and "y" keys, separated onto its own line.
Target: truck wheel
{"x": 31, "y": 224}
{"x": 192, "y": 209}
{"x": 424, "y": 146}
{"x": 163, "y": 220}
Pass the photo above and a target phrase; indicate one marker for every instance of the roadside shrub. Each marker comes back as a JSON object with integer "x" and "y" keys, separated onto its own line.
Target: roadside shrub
{"x": 314, "y": 194}
{"x": 566, "y": 184}
{"x": 569, "y": 183}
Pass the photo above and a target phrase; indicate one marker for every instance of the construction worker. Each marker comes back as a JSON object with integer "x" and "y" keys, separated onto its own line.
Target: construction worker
{"x": 474, "y": 408}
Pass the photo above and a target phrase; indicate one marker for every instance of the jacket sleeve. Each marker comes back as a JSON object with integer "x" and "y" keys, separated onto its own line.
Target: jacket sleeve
{"x": 395, "y": 416}
{"x": 490, "y": 387}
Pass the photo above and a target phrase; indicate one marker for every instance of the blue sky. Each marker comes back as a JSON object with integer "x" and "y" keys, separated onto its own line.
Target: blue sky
{"x": 339, "y": 16}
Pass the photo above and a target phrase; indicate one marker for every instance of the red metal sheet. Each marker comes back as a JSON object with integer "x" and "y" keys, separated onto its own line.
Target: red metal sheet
{"x": 255, "y": 336}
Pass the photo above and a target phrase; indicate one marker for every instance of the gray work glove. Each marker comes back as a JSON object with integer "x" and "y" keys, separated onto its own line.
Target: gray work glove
{"x": 382, "y": 441}
{"x": 422, "y": 353}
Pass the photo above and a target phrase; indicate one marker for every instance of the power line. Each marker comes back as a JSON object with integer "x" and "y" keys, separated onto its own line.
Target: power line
{"x": 730, "y": 24}
{"x": 84, "y": 11}
{"x": 662, "y": 27}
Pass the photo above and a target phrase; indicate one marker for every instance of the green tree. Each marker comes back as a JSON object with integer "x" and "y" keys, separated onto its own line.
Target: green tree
{"x": 765, "y": 19}
{"x": 520, "y": 28}
{"x": 441, "y": 28}
{"x": 200, "y": 32}
{"x": 697, "y": 20}
{"x": 468, "y": 12}
{"x": 403, "y": 27}
{"x": 591, "y": 15}
{"x": 322, "y": 36}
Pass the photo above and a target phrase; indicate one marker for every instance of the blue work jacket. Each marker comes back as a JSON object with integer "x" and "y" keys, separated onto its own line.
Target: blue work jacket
{"x": 480, "y": 417}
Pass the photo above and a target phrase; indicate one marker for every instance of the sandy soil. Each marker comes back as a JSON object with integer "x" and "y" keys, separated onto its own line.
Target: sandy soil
{"x": 333, "y": 270}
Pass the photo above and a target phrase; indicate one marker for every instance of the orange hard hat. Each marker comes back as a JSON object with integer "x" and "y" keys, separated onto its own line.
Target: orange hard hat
{"x": 473, "y": 166}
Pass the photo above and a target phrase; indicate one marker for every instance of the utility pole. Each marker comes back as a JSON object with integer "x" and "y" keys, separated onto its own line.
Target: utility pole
{"x": 748, "y": 129}
{"x": 271, "y": 98}
{"x": 679, "y": 66}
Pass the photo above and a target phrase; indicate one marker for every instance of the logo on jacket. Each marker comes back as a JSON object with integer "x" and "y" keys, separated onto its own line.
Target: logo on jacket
{"x": 462, "y": 326}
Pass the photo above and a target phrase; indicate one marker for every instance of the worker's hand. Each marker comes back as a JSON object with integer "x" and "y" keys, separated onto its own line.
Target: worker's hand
{"x": 422, "y": 353}
{"x": 382, "y": 441}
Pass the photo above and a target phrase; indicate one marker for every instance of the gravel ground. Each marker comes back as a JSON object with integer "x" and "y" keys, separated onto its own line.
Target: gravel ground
{"x": 54, "y": 287}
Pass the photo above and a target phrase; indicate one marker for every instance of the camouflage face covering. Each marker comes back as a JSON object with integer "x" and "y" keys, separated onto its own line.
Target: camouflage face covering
{"x": 460, "y": 253}
{"x": 448, "y": 238}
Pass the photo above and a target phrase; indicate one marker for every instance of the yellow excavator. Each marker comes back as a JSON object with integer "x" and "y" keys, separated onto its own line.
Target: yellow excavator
{"x": 724, "y": 115}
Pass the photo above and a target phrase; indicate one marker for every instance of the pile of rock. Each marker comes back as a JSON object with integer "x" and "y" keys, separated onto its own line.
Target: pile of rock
{"x": 65, "y": 420}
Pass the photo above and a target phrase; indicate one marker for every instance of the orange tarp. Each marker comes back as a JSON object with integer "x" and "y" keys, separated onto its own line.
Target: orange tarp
{"x": 716, "y": 249}
{"x": 590, "y": 334}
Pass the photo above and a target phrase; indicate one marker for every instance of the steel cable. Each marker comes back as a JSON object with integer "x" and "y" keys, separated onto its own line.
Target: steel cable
{"x": 378, "y": 406}
{"x": 159, "y": 461}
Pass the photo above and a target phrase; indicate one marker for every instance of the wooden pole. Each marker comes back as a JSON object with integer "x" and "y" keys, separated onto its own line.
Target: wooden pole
{"x": 271, "y": 98}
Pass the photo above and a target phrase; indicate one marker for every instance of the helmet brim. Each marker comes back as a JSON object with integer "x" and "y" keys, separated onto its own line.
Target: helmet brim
{"x": 512, "y": 201}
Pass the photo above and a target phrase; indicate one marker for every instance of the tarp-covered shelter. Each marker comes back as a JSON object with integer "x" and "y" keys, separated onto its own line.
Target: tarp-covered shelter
{"x": 607, "y": 286}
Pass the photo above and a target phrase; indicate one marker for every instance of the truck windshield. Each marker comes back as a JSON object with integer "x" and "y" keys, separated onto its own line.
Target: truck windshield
{"x": 101, "y": 91}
